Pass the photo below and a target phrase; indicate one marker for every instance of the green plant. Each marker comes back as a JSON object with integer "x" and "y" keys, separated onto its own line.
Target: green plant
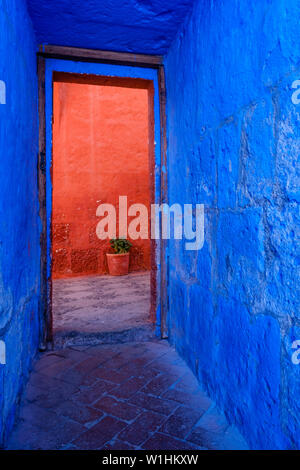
{"x": 120, "y": 245}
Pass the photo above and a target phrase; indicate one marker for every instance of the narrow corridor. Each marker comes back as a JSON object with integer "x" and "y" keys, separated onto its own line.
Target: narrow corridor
{"x": 124, "y": 396}
{"x": 174, "y": 126}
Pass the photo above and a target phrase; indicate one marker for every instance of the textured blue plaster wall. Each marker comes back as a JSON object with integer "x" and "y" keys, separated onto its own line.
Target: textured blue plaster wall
{"x": 19, "y": 229}
{"x": 233, "y": 144}
{"x": 141, "y": 26}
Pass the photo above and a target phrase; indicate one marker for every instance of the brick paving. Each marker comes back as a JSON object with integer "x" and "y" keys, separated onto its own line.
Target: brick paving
{"x": 118, "y": 397}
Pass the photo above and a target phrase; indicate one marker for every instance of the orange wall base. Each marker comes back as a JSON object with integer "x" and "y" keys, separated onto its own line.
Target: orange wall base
{"x": 100, "y": 152}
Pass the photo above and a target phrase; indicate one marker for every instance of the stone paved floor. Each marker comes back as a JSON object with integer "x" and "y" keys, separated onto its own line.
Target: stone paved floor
{"x": 125, "y": 396}
{"x": 89, "y": 305}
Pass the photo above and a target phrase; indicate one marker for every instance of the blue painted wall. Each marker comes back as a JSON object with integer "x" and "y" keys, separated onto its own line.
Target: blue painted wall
{"x": 233, "y": 144}
{"x": 19, "y": 229}
{"x": 141, "y": 26}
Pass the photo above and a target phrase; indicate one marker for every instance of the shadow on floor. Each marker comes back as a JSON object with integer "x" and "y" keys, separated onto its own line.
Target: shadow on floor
{"x": 125, "y": 396}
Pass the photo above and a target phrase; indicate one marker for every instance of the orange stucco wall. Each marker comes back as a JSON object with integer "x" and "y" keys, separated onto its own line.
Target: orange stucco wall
{"x": 100, "y": 152}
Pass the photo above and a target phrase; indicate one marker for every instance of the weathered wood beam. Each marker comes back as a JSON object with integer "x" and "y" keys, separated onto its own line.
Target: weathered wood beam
{"x": 71, "y": 53}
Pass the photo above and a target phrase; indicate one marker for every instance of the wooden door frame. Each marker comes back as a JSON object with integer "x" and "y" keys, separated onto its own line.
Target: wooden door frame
{"x": 104, "y": 57}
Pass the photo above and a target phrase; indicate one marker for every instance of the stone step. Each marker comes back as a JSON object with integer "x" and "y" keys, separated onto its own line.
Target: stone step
{"x": 75, "y": 338}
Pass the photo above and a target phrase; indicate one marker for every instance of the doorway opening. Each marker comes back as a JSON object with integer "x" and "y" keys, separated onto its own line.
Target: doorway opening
{"x": 102, "y": 149}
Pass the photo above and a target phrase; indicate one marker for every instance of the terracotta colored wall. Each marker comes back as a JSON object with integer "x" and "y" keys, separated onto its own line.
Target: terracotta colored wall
{"x": 100, "y": 151}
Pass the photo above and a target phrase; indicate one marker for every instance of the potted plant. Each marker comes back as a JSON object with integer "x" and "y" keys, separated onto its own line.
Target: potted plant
{"x": 118, "y": 262}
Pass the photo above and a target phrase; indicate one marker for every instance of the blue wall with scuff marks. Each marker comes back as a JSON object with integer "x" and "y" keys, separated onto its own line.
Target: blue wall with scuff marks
{"x": 233, "y": 144}
{"x": 19, "y": 229}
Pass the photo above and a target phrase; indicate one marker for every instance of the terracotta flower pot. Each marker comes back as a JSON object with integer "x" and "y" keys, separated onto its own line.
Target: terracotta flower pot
{"x": 118, "y": 265}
